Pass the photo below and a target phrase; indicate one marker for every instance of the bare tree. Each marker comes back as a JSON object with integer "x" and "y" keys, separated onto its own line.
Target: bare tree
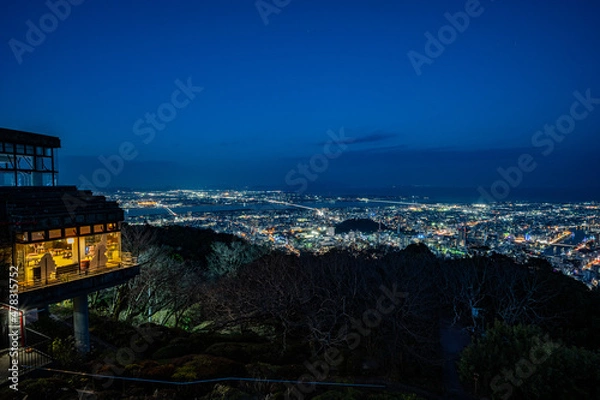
{"x": 465, "y": 287}
{"x": 163, "y": 285}
{"x": 137, "y": 239}
{"x": 521, "y": 295}
{"x": 225, "y": 259}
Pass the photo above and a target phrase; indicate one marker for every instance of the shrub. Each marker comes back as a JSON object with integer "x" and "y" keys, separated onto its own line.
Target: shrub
{"x": 517, "y": 360}
{"x": 150, "y": 369}
{"x": 65, "y": 353}
{"x": 186, "y": 373}
{"x": 47, "y": 388}
{"x": 394, "y": 396}
{"x": 132, "y": 370}
{"x": 262, "y": 370}
{"x": 340, "y": 394}
{"x": 170, "y": 351}
{"x": 223, "y": 392}
{"x": 291, "y": 371}
{"x": 181, "y": 361}
{"x": 161, "y": 372}
{"x": 243, "y": 352}
{"x": 353, "y": 394}
{"x": 205, "y": 366}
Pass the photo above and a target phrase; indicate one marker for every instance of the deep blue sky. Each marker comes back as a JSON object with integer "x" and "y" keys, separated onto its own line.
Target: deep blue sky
{"x": 271, "y": 92}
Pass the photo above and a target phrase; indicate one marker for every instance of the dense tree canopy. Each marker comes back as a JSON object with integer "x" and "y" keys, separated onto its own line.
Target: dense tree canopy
{"x": 381, "y": 310}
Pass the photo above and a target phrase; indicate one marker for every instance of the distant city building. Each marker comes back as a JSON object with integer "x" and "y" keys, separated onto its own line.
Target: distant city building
{"x": 403, "y": 240}
{"x": 463, "y": 236}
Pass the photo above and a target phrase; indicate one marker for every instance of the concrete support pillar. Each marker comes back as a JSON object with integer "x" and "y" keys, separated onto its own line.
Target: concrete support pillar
{"x": 81, "y": 324}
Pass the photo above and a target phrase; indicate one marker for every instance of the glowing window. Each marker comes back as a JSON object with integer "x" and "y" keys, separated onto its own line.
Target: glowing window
{"x": 38, "y": 236}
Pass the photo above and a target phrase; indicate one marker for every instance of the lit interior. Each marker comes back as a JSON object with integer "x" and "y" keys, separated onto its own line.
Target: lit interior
{"x": 45, "y": 260}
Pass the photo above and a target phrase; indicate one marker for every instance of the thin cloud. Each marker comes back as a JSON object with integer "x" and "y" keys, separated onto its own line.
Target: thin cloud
{"x": 377, "y": 136}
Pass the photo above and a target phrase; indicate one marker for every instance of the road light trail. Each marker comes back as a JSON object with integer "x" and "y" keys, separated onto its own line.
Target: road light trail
{"x": 292, "y": 205}
{"x": 391, "y": 202}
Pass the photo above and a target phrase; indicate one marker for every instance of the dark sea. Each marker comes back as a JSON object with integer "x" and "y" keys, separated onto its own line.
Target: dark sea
{"x": 428, "y": 194}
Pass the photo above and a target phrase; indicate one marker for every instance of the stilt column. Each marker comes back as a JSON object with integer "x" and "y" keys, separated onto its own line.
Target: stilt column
{"x": 81, "y": 323}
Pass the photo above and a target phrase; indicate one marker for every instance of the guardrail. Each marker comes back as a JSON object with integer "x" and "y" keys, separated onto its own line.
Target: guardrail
{"x": 61, "y": 278}
{"x": 34, "y": 355}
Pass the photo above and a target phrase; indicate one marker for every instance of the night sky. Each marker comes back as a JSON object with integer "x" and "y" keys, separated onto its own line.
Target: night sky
{"x": 262, "y": 89}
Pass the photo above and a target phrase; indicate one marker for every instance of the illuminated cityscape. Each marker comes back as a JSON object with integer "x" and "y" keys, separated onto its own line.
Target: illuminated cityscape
{"x": 565, "y": 234}
{"x": 276, "y": 199}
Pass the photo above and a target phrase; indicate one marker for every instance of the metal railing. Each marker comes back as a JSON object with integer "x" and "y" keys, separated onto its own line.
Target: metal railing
{"x": 35, "y": 354}
{"x": 76, "y": 274}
